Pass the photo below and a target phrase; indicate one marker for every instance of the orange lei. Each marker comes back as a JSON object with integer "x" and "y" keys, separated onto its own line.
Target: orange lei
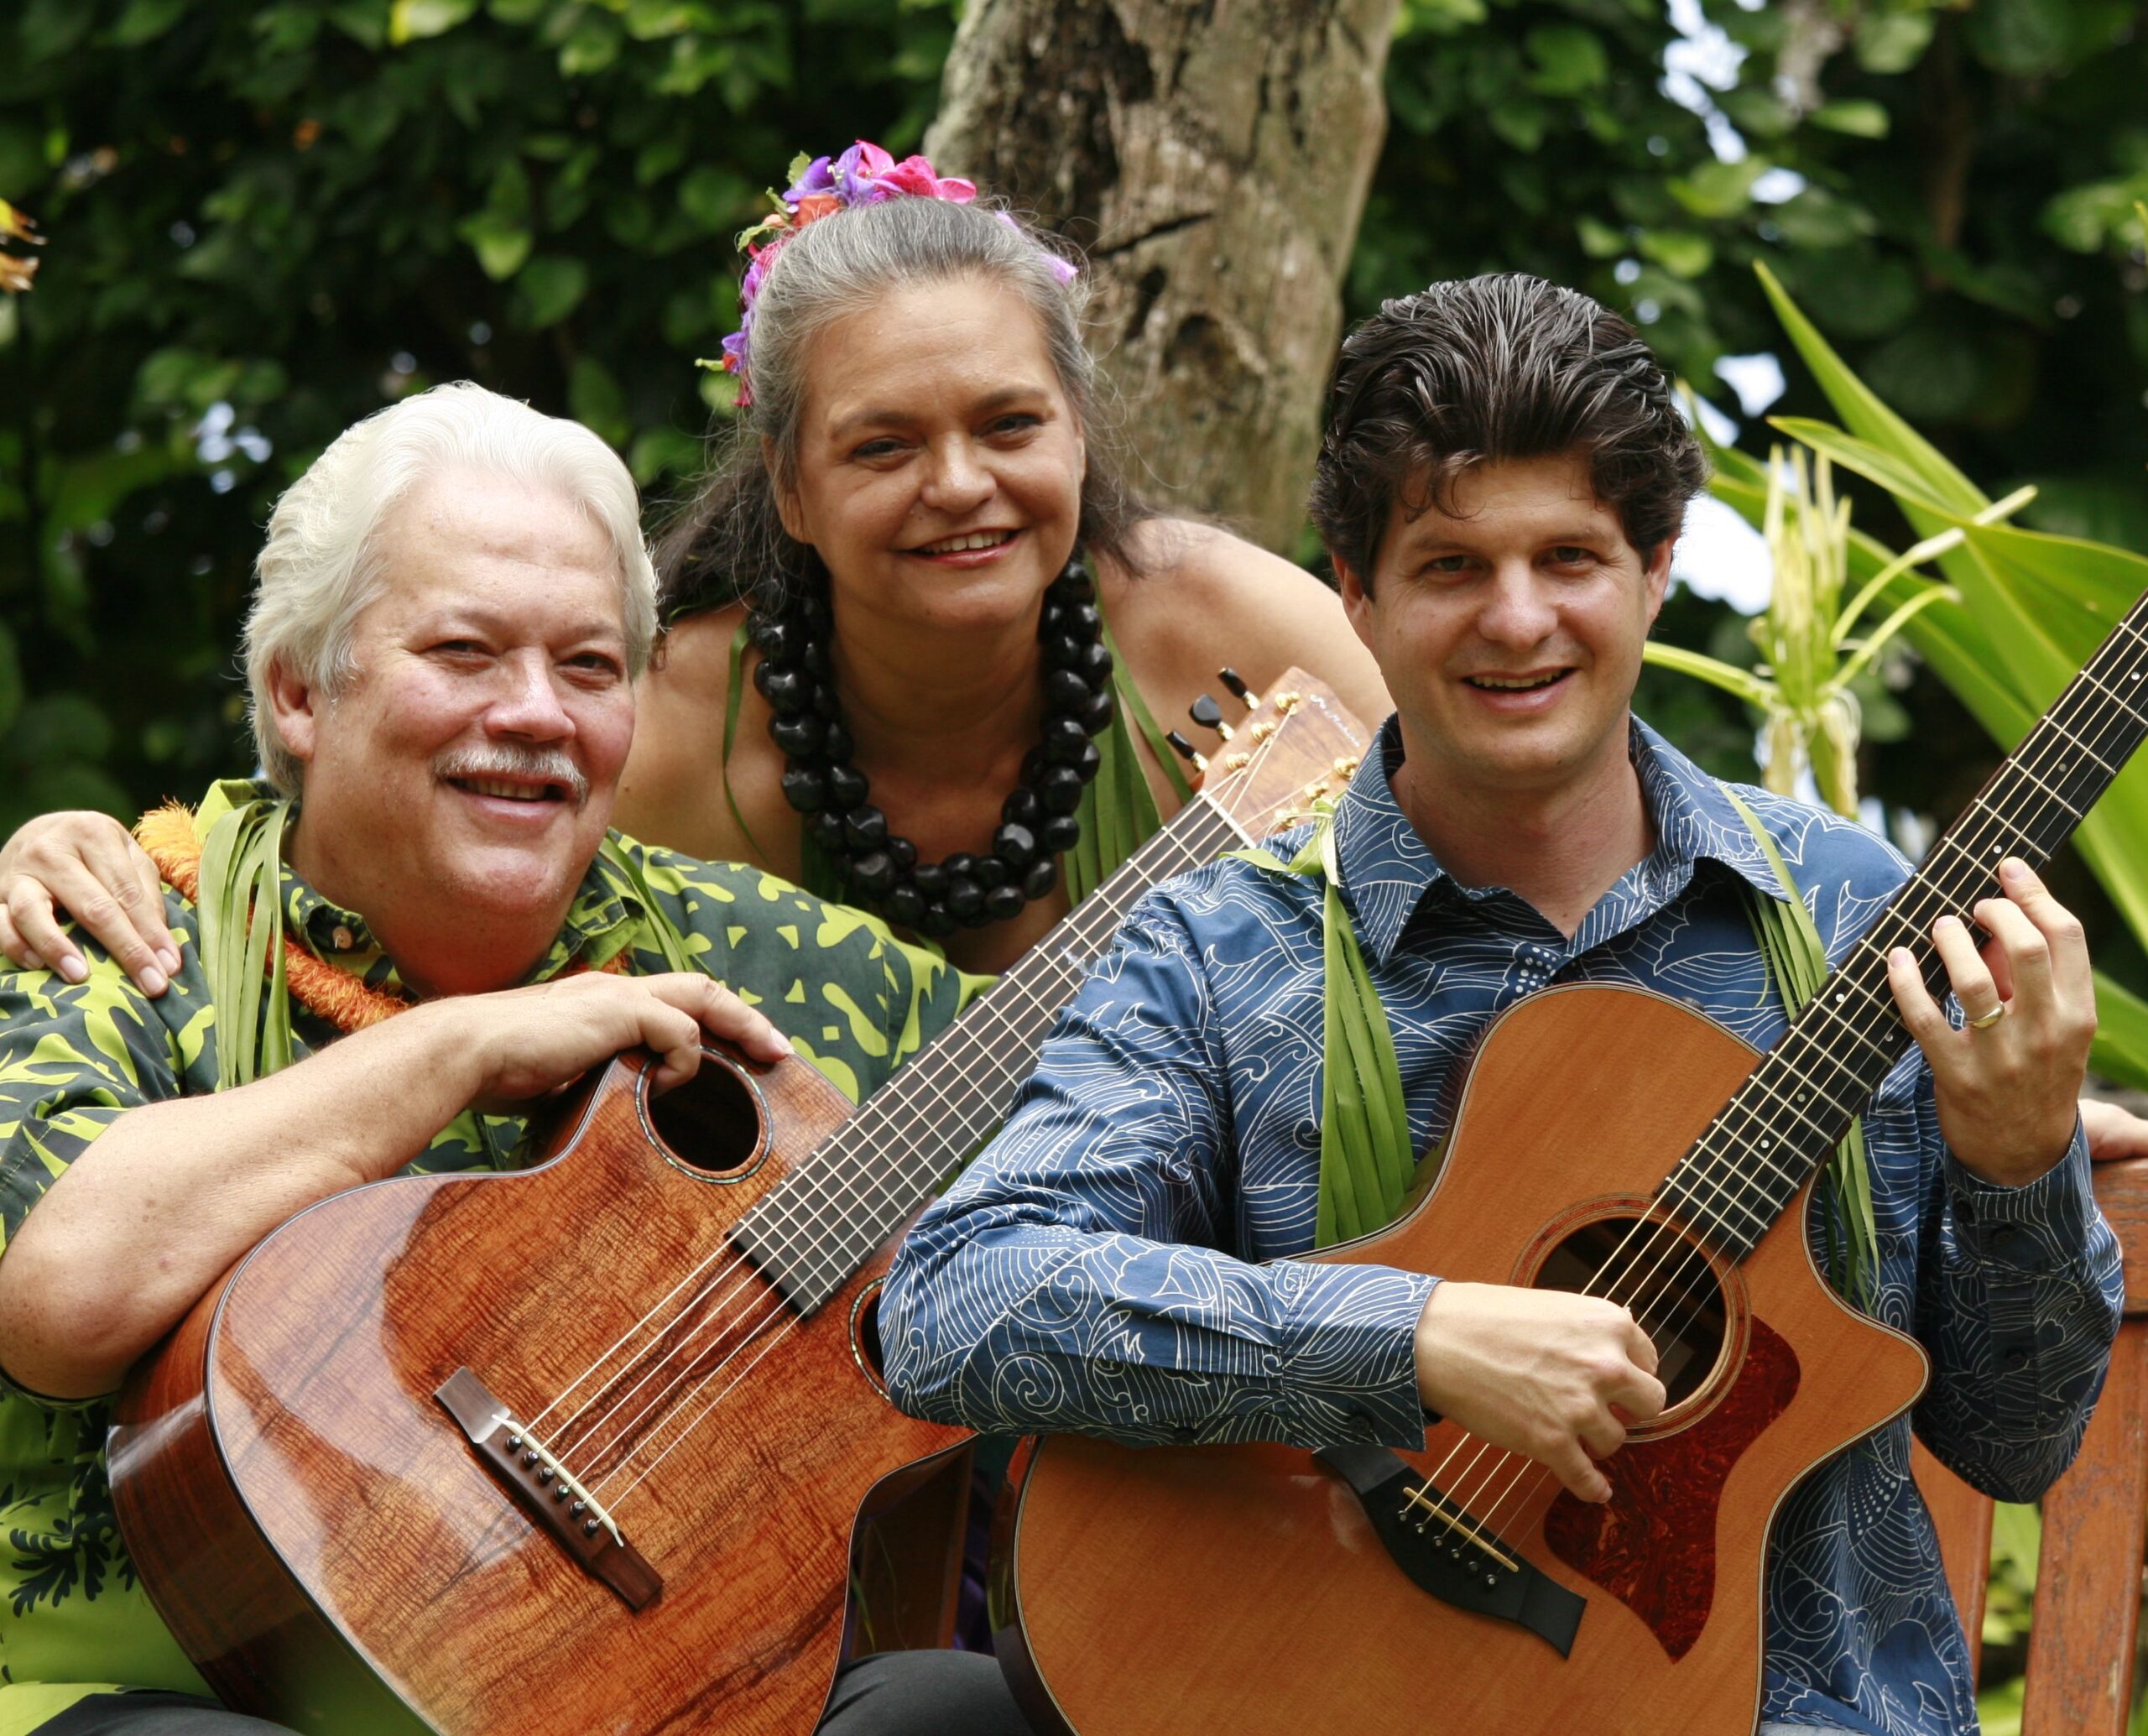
{"x": 344, "y": 1000}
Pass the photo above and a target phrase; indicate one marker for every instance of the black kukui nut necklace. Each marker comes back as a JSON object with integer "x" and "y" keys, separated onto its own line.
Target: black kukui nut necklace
{"x": 1037, "y": 822}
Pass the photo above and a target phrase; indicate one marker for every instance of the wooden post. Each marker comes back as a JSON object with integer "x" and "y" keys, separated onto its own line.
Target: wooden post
{"x": 2088, "y": 1575}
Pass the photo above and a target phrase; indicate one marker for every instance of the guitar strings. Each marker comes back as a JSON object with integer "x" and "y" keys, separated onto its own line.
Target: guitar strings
{"x": 1196, "y": 852}
{"x": 848, "y": 1183}
{"x": 1924, "y": 887}
{"x": 993, "y": 1020}
{"x": 694, "y": 1421}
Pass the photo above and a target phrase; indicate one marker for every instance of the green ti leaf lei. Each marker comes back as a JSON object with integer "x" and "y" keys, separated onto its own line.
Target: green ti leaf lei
{"x": 239, "y": 906}
{"x": 1366, "y": 1162}
{"x": 1796, "y": 960}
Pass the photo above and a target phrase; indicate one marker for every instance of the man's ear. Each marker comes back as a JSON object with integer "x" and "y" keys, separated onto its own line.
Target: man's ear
{"x": 1657, "y": 576}
{"x": 296, "y": 708}
{"x": 1356, "y": 600}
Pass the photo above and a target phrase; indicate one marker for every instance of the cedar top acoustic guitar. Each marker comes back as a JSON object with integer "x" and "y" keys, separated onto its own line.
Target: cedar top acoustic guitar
{"x": 580, "y": 1449}
{"x": 1608, "y": 1140}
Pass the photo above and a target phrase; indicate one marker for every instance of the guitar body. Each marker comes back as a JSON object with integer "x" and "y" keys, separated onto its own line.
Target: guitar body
{"x": 333, "y": 1552}
{"x": 1163, "y": 1590}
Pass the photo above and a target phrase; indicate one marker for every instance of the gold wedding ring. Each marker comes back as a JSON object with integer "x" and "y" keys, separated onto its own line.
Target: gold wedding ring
{"x": 1990, "y": 1018}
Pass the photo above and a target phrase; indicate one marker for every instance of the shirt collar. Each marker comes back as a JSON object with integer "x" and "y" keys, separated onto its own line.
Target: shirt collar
{"x": 607, "y": 911}
{"x": 1388, "y": 870}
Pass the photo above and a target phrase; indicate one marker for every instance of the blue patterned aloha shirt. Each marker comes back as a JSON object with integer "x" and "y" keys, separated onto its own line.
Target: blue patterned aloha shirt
{"x": 1089, "y": 1271}
{"x": 74, "y": 1058}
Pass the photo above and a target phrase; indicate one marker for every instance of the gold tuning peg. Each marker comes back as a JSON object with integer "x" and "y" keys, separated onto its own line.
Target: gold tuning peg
{"x": 1236, "y": 682}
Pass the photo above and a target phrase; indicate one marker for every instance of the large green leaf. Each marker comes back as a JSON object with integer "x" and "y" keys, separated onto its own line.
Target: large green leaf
{"x": 2047, "y": 601}
{"x": 1861, "y": 409}
{"x": 2120, "y": 1051}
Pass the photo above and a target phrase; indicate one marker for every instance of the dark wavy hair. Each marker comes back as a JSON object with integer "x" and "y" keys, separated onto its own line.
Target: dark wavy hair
{"x": 729, "y": 541}
{"x": 1486, "y": 369}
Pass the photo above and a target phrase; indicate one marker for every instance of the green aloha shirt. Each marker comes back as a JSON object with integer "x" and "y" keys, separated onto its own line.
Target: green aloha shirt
{"x": 74, "y": 1618}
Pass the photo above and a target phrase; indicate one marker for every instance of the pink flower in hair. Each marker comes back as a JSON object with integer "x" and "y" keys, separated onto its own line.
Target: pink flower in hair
{"x": 914, "y": 176}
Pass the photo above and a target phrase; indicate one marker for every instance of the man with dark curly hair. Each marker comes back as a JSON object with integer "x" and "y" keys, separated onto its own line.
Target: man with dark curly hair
{"x": 1502, "y": 477}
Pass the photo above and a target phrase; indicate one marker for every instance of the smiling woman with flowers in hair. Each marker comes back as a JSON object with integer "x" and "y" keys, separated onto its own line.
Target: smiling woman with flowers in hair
{"x": 952, "y": 634}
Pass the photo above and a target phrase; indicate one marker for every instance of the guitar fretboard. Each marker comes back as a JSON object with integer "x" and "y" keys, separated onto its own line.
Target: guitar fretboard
{"x": 817, "y": 1227}
{"x": 1799, "y": 1100}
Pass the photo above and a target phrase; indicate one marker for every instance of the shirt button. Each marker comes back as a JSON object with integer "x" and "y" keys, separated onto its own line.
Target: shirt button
{"x": 2015, "y": 1359}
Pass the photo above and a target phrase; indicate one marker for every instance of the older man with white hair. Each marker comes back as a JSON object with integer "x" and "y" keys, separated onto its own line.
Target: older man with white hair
{"x": 453, "y": 603}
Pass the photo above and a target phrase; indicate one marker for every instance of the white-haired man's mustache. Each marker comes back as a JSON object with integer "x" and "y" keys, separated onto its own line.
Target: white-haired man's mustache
{"x": 528, "y": 764}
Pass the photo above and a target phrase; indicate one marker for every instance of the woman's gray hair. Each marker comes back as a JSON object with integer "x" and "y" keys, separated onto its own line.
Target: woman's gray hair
{"x": 731, "y": 540}
{"x": 321, "y": 567}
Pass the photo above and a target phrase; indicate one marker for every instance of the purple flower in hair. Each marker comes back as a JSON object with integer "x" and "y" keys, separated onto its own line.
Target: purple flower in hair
{"x": 860, "y": 174}
{"x": 816, "y": 179}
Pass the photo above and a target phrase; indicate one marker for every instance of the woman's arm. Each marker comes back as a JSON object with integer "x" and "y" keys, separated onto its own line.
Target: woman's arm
{"x": 87, "y": 868}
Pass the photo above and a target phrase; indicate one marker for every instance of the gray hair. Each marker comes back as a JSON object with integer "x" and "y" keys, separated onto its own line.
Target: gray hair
{"x": 730, "y": 540}
{"x": 321, "y": 567}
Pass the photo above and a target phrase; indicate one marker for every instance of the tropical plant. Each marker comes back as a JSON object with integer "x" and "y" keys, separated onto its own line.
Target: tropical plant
{"x": 1805, "y": 687}
{"x": 2031, "y": 609}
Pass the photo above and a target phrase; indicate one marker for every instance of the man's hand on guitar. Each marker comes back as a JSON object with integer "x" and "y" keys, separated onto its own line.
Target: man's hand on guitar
{"x": 1544, "y": 1373}
{"x": 2007, "y": 1084}
{"x": 525, "y": 1043}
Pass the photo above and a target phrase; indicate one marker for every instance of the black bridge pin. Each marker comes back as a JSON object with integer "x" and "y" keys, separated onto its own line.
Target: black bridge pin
{"x": 579, "y": 1508}
{"x": 590, "y": 1527}
{"x": 529, "y": 1459}
{"x": 561, "y": 1493}
{"x": 514, "y": 1443}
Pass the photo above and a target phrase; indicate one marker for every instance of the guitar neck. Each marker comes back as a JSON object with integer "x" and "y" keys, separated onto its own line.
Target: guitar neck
{"x": 819, "y": 1225}
{"x": 1799, "y": 1100}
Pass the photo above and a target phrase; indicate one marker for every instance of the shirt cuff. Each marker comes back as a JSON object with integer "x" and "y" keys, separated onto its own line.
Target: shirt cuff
{"x": 2042, "y": 1226}
{"x": 1350, "y": 1342}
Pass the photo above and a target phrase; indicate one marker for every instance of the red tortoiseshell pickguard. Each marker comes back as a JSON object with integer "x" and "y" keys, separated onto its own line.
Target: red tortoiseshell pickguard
{"x": 1652, "y": 1545}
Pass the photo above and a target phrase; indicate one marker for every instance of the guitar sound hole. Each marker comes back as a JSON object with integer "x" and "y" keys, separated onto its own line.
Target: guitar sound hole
{"x": 1663, "y": 1278}
{"x": 713, "y": 1122}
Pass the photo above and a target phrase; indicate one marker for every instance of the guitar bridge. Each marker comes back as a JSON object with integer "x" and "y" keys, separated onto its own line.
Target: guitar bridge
{"x": 1447, "y": 1553}
{"x": 563, "y": 1509}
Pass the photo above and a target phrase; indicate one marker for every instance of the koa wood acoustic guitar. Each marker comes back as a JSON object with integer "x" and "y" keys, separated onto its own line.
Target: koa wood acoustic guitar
{"x": 580, "y": 1449}
{"x": 1609, "y": 1141}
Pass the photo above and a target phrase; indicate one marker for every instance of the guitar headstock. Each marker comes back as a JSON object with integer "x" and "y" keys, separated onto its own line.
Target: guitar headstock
{"x": 1298, "y": 743}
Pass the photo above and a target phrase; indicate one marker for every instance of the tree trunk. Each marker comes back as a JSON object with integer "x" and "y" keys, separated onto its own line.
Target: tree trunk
{"x": 1212, "y": 156}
